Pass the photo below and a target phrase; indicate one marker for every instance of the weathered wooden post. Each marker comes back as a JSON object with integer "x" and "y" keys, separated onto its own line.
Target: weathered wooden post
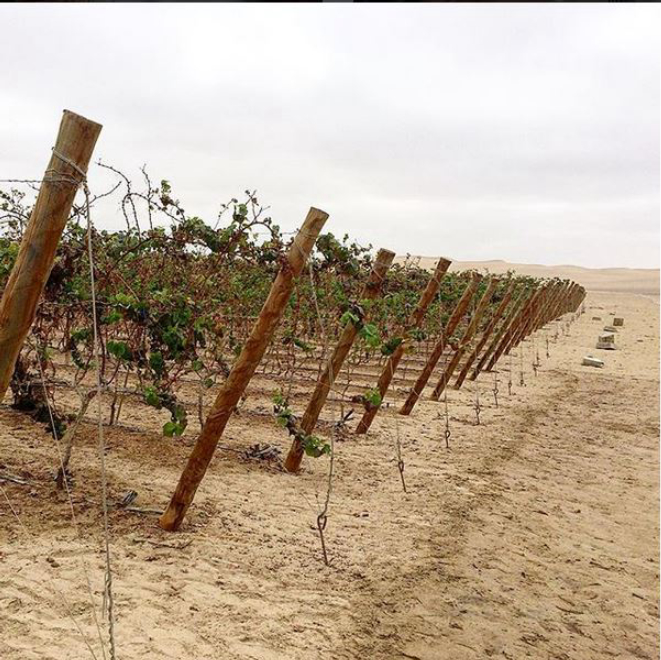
{"x": 555, "y": 295}
{"x": 524, "y": 327}
{"x": 370, "y": 291}
{"x": 514, "y": 326}
{"x": 528, "y": 316}
{"x": 528, "y": 327}
{"x": 510, "y": 319}
{"x": 562, "y": 304}
{"x": 242, "y": 370}
{"x": 495, "y": 318}
{"x": 393, "y": 361}
{"x": 466, "y": 338}
{"x": 66, "y": 170}
{"x": 554, "y": 307}
{"x": 440, "y": 345}
{"x": 579, "y": 297}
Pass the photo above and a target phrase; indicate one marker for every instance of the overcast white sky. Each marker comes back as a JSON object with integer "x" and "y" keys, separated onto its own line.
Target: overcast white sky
{"x": 526, "y": 133}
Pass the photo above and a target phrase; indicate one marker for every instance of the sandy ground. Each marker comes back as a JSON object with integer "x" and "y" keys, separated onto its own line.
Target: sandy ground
{"x": 536, "y": 535}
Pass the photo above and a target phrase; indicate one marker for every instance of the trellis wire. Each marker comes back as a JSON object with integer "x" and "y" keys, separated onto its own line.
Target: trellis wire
{"x": 108, "y": 595}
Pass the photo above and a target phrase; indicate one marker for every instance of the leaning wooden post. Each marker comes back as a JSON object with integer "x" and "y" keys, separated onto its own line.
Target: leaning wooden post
{"x": 66, "y": 170}
{"x": 552, "y": 308}
{"x": 440, "y": 345}
{"x": 560, "y": 306}
{"x": 242, "y": 370}
{"x": 540, "y": 319}
{"x": 566, "y": 304}
{"x": 496, "y": 317}
{"x": 547, "y": 299}
{"x": 533, "y": 308}
{"x": 513, "y": 327}
{"x": 555, "y": 295}
{"x": 465, "y": 340}
{"x": 393, "y": 361}
{"x": 577, "y": 295}
{"x": 370, "y": 291}
{"x": 510, "y": 319}
{"x": 579, "y": 298}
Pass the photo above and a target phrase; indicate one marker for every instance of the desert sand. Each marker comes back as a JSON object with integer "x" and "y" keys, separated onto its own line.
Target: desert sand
{"x": 535, "y": 535}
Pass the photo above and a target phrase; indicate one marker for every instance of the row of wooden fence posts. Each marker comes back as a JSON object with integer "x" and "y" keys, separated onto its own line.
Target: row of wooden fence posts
{"x": 446, "y": 334}
{"x": 414, "y": 323}
{"x": 470, "y": 330}
{"x": 528, "y": 313}
{"x": 325, "y": 382}
{"x": 530, "y": 310}
{"x": 242, "y": 370}
{"x": 496, "y": 317}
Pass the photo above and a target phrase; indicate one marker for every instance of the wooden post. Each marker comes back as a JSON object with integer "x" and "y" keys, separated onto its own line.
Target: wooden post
{"x": 564, "y": 303}
{"x": 546, "y": 299}
{"x": 440, "y": 345}
{"x": 393, "y": 361}
{"x": 495, "y": 318}
{"x": 242, "y": 370}
{"x": 66, "y": 170}
{"x": 527, "y": 317}
{"x": 514, "y": 326}
{"x": 464, "y": 341}
{"x": 510, "y": 319}
{"x": 370, "y": 291}
{"x": 561, "y": 306}
{"x": 579, "y": 298}
{"x": 552, "y": 307}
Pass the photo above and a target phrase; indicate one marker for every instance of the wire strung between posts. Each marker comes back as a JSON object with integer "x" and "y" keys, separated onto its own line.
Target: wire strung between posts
{"x": 448, "y": 433}
{"x": 69, "y": 499}
{"x": 398, "y": 441}
{"x": 54, "y": 177}
{"x": 538, "y": 362}
{"x": 322, "y": 515}
{"x": 108, "y": 595}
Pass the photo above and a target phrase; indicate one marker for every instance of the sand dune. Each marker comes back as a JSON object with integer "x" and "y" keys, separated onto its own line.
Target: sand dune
{"x": 624, "y": 280}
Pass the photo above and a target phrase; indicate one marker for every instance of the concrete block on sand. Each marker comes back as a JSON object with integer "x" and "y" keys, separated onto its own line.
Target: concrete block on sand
{"x": 606, "y": 342}
{"x": 589, "y": 361}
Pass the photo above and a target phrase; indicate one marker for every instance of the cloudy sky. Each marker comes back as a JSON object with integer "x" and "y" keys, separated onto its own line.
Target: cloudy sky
{"x": 526, "y": 133}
